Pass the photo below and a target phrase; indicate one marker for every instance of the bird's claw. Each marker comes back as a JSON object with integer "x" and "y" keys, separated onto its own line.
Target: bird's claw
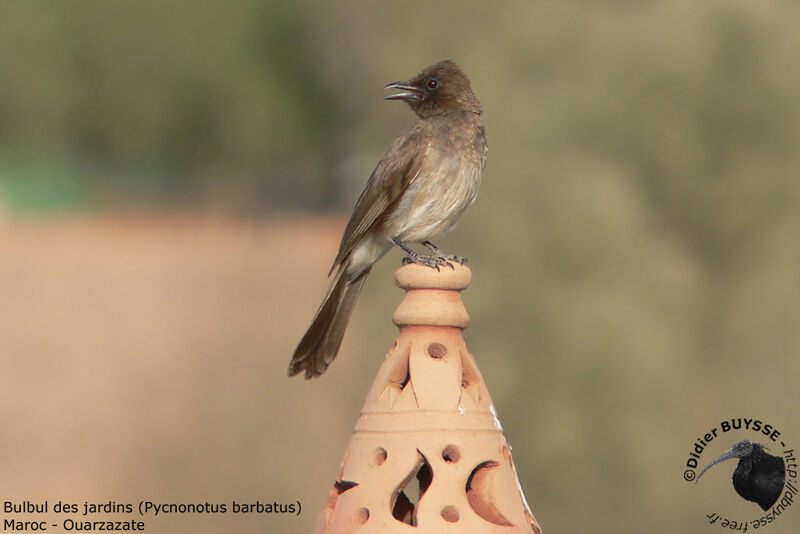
{"x": 439, "y": 253}
{"x": 459, "y": 259}
{"x": 431, "y": 261}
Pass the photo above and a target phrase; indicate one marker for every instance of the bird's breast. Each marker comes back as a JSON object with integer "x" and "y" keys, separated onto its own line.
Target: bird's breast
{"x": 446, "y": 185}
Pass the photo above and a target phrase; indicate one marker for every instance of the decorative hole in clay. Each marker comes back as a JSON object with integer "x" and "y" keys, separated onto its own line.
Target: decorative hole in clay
{"x": 451, "y": 454}
{"x": 480, "y": 495}
{"x": 378, "y": 456}
{"x": 469, "y": 375}
{"x": 450, "y": 514}
{"x": 437, "y": 350}
{"x": 339, "y": 487}
{"x": 361, "y": 516}
{"x": 408, "y": 495}
{"x": 405, "y": 381}
{"x": 344, "y": 485}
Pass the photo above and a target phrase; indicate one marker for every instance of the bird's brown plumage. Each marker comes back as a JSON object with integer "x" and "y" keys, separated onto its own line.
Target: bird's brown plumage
{"x": 418, "y": 190}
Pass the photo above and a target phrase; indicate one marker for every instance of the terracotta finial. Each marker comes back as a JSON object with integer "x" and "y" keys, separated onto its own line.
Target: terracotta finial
{"x": 428, "y": 450}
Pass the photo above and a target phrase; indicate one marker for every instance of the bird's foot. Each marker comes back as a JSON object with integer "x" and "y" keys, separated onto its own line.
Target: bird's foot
{"x": 439, "y": 253}
{"x": 459, "y": 259}
{"x": 432, "y": 261}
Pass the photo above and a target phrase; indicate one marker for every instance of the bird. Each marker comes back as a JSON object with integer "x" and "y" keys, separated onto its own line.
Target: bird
{"x": 418, "y": 191}
{"x": 759, "y": 477}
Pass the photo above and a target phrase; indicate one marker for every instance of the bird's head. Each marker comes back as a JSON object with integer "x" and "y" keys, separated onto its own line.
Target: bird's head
{"x": 740, "y": 449}
{"x": 439, "y": 89}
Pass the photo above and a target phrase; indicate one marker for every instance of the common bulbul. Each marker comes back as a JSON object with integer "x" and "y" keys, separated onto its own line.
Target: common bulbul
{"x": 418, "y": 191}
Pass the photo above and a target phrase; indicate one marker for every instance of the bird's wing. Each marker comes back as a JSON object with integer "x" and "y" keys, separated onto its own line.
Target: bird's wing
{"x": 395, "y": 171}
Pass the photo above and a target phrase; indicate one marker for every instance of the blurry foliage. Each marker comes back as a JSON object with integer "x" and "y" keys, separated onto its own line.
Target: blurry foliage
{"x": 176, "y": 99}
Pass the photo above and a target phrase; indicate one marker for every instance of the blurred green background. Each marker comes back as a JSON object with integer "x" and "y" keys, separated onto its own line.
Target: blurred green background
{"x": 175, "y": 176}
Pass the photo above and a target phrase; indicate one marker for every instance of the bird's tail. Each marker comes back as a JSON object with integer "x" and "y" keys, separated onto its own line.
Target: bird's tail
{"x": 319, "y": 345}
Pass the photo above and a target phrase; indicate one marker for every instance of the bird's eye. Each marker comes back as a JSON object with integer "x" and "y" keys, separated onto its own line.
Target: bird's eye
{"x": 433, "y": 84}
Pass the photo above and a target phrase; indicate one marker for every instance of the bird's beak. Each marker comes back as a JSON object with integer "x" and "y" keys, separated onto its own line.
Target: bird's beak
{"x": 727, "y": 455}
{"x": 410, "y": 91}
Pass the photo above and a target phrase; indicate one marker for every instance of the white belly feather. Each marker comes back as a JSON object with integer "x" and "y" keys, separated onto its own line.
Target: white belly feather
{"x": 435, "y": 200}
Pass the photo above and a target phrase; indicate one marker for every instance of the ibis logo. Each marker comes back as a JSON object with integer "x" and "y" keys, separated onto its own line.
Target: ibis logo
{"x": 764, "y": 473}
